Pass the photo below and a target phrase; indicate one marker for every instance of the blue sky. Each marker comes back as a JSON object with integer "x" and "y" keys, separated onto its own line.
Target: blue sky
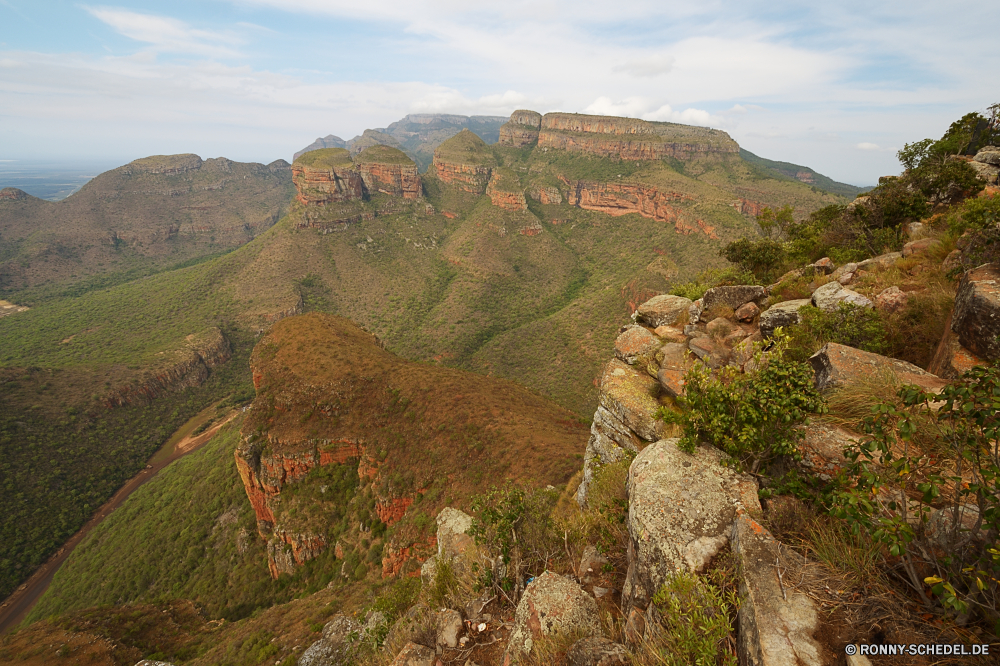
{"x": 838, "y": 88}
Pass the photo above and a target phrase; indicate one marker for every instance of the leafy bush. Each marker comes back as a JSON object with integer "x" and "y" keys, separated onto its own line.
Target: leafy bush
{"x": 515, "y": 527}
{"x": 763, "y": 258}
{"x": 712, "y": 278}
{"x": 751, "y": 416}
{"x": 695, "y": 622}
{"x": 849, "y": 325}
{"x": 940, "y": 512}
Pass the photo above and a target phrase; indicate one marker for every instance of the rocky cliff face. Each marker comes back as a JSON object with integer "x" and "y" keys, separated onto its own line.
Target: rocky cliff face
{"x": 465, "y": 161}
{"x": 521, "y": 130}
{"x": 186, "y": 367}
{"x": 629, "y": 138}
{"x": 322, "y": 185}
{"x": 624, "y": 198}
{"x": 389, "y": 170}
{"x": 505, "y": 191}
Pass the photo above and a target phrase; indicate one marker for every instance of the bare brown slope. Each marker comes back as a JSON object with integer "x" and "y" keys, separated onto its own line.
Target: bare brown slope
{"x": 423, "y": 436}
{"x": 151, "y": 213}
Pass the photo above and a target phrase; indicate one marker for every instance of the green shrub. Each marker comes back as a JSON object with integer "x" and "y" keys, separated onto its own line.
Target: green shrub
{"x": 849, "y": 325}
{"x": 751, "y": 416}
{"x": 964, "y": 476}
{"x": 694, "y": 616}
{"x": 763, "y": 258}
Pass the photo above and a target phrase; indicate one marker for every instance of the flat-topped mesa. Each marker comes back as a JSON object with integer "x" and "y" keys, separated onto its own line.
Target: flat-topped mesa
{"x": 389, "y": 170}
{"x": 623, "y": 198}
{"x": 465, "y": 161}
{"x": 326, "y": 176}
{"x": 521, "y": 130}
{"x": 505, "y": 190}
{"x": 630, "y": 138}
{"x": 169, "y": 165}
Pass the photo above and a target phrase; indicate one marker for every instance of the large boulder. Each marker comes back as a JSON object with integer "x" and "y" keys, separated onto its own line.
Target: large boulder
{"x": 453, "y": 541}
{"x": 830, "y": 295}
{"x": 921, "y": 245}
{"x": 414, "y": 654}
{"x": 554, "y": 606}
{"x": 635, "y": 343}
{"x": 681, "y": 509}
{"x": 891, "y": 299}
{"x": 782, "y": 314}
{"x": 823, "y": 446}
{"x": 988, "y": 155}
{"x": 777, "y": 622}
{"x": 664, "y": 310}
{"x": 838, "y": 365}
{"x": 675, "y": 364}
{"x": 416, "y": 625}
{"x": 631, "y": 396}
{"x": 976, "y": 319}
{"x": 732, "y": 296}
{"x": 336, "y": 647}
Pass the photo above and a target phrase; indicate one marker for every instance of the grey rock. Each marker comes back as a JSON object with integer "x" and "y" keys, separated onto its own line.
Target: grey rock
{"x": 774, "y": 631}
{"x": 838, "y": 365}
{"x": 891, "y": 299}
{"x": 631, "y": 396}
{"x": 747, "y": 312}
{"x": 337, "y": 646}
{"x": 609, "y": 438}
{"x": 733, "y": 296}
{"x": 977, "y": 312}
{"x": 783, "y": 314}
{"x": 664, "y": 310}
{"x": 845, "y": 269}
{"x": 988, "y": 155}
{"x": 552, "y": 605}
{"x": 414, "y": 626}
{"x": 414, "y": 654}
{"x": 694, "y": 312}
{"x": 449, "y": 628}
{"x": 830, "y": 295}
{"x": 596, "y": 651}
{"x": 882, "y": 261}
{"x": 591, "y": 567}
{"x": 635, "y": 343}
{"x": 681, "y": 509}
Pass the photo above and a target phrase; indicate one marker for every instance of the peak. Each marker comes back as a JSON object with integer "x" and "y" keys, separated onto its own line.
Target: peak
{"x": 13, "y": 194}
{"x": 325, "y": 158}
{"x": 465, "y": 148}
{"x": 165, "y": 164}
{"x": 383, "y": 154}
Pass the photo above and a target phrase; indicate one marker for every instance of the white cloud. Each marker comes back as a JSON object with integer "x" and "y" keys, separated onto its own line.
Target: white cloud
{"x": 868, "y": 146}
{"x": 647, "y": 67}
{"x": 168, "y": 34}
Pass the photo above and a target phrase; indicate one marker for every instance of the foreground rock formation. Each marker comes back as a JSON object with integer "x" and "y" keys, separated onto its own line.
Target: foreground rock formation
{"x": 330, "y": 175}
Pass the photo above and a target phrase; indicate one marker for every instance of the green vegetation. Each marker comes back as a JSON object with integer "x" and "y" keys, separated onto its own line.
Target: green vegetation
{"x": 905, "y": 496}
{"x": 851, "y": 325}
{"x": 796, "y": 171}
{"x": 381, "y": 154}
{"x": 326, "y": 158}
{"x": 751, "y": 416}
{"x": 466, "y": 148}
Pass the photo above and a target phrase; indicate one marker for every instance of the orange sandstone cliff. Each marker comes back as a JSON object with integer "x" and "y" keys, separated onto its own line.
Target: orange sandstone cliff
{"x": 465, "y": 161}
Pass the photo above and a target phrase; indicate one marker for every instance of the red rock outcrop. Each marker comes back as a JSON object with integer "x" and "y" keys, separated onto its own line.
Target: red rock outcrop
{"x": 467, "y": 177}
{"x": 748, "y": 207}
{"x": 389, "y": 170}
{"x": 189, "y": 367}
{"x": 300, "y": 549}
{"x": 392, "y": 509}
{"x": 623, "y": 198}
{"x": 396, "y": 557}
{"x": 630, "y": 138}
{"x": 321, "y": 185}
{"x": 504, "y": 190}
{"x": 522, "y": 130}
{"x": 546, "y": 194}
{"x": 13, "y": 194}
{"x": 465, "y": 161}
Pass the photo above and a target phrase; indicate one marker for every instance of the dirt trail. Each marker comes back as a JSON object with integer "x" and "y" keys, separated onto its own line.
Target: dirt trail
{"x": 16, "y": 606}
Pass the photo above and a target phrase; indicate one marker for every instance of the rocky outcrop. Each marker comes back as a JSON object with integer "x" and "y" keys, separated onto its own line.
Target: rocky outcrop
{"x": 629, "y": 138}
{"x": 597, "y": 651}
{"x": 623, "y": 198}
{"x": 630, "y": 395}
{"x": 414, "y": 654}
{"x": 13, "y": 194}
{"x": 829, "y": 296}
{"x": 454, "y": 545}
{"x": 552, "y": 606}
{"x": 839, "y": 365}
{"x": 545, "y": 194}
{"x": 465, "y": 161}
{"x": 521, "y": 130}
{"x": 732, "y": 297}
{"x": 782, "y": 314}
{"x": 664, "y": 310}
{"x": 681, "y": 510}
{"x": 183, "y": 368}
{"x": 976, "y": 319}
{"x": 337, "y": 646}
{"x": 505, "y": 191}
{"x": 390, "y": 171}
{"x": 169, "y": 165}
{"x": 951, "y": 359}
{"x": 635, "y": 344}
{"x": 326, "y": 176}
{"x": 986, "y": 164}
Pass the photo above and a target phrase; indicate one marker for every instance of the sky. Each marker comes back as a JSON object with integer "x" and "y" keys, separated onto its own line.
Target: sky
{"x": 839, "y": 87}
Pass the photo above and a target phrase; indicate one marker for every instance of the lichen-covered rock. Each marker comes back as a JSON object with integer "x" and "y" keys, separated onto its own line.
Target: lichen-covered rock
{"x": 449, "y": 628}
{"x": 732, "y": 296}
{"x": 823, "y": 446}
{"x": 774, "y": 631}
{"x": 921, "y": 245}
{"x": 553, "y": 606}
{"x": 977, "y": 312}
{"x": 830, "y": 295}
{"x": 822, "y": 266}
{"x": 596, "y": 651}
{"x": 635, "y": 343}
{"x": 891, "y": 299}
{"x": 782, "y": 314}
{"x": 609, "y": 439}
{"x": 713, "y": 354}
{"x": 664, "y": 310}
{"x": 414, "y": 654}
{"x": 670, "y": 334}
{"x": 747, "y": 312}
{"x": 453, "y": 542}
{"x": 631, "y": 396}
{"x": 986, "y": 171}
{"x": 681, "y": 509}
{"x": 675, "y": 364}
{"x": 839, "y": 365}
{"x": 336, "y": 647}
